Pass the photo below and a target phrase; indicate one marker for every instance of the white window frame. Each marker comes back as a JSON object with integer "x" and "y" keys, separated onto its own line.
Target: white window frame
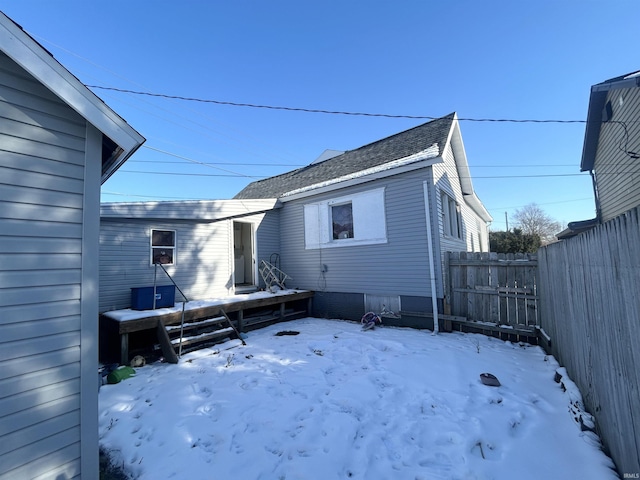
{"x": 451, "y": 216}
{"x": 369, "y": 220}
{"x": 171, "y": 248}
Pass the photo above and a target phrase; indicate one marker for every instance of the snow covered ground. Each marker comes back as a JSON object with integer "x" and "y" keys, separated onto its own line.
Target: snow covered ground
{"x": 335, "y": 402}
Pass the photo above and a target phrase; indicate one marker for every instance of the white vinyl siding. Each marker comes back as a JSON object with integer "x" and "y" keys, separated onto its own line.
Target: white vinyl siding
{"x": 203, "y": 262}
{"x": 201, "y": 265}
{"x": 42, "y": 202}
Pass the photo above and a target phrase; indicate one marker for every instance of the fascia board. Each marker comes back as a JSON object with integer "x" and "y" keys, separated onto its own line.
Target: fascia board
{"x": 597, "y": 99}
{"x": 27, "y": 53}
{"x": 460, "y": 155}
{"x": 464, "y": 174}
{"x": 478, "y": 207}
{"x": 200, "y": 211}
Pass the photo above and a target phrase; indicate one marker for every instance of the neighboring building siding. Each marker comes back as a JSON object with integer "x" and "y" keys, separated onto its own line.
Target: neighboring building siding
{"x": 398, "y": 267}
{"x": 617, "y": 173}
{"x": 203, "y": 267}
{"x": 41, "y": 239}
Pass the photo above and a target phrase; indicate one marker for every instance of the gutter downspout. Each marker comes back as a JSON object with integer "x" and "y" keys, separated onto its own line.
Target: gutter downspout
{"x": 432, "y": 272}
{"x": 595, "y": 195}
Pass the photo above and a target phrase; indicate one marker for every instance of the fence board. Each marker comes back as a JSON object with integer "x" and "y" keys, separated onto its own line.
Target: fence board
{"x": 590, "y": 309}
{"x": 493, "y": 288}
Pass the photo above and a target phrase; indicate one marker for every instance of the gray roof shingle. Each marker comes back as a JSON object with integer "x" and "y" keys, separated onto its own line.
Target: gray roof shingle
{"x": 388, "y": 149}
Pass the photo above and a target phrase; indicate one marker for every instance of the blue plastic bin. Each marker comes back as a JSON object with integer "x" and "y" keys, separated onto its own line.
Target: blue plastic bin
{"x": 142, "y": 297}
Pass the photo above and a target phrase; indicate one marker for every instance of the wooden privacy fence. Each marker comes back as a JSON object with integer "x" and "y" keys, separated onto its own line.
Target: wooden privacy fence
{"x": 498, "y": 292}
{"x": 590, "y": 309}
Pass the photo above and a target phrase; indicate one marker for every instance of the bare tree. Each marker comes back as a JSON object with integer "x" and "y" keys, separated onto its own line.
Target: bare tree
{"x": 532, "y": 220}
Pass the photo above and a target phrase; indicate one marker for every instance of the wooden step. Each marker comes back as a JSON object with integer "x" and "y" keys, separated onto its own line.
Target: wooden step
{"x": 203, "y": 337}
{"x": 204, "y": 323}
{"x": 195, "y": 334}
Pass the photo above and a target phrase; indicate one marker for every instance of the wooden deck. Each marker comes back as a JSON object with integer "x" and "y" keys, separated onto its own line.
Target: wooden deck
{"x": 246, "y": 311}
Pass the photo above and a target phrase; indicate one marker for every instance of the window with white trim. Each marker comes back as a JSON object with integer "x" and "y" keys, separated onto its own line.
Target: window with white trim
{"x": 451, "y": 216}
{"x": 163, "y": 247}
{"x": 357, "y": 219}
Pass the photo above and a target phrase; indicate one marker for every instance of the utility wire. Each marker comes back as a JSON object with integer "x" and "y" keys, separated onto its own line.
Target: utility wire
{"x": 540, "y": 204}
{"x": 240, "y": 164}
{"x": 196, "y": 162}
{"x": 233, "y": 174}
{"x": 329, "y": 112}
{"x": 236, "y": 175}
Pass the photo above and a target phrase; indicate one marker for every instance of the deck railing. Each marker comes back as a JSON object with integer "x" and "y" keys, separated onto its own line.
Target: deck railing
{"x": 184, "y": 298}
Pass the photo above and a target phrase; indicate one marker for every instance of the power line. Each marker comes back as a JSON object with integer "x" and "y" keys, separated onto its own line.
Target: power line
{"x": 298, "y": 165}
{"x": 329, "y": 112}
{"x": 540, "y": 204}
{"x": 120, "y": 194}
{"x": 243, "y": 164}
{"x": 235, "y": 175}
{"x": 197, "y": 162}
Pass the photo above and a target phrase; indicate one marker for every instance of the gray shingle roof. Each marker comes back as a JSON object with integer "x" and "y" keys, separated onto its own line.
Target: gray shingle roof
{"x": 388, "y": 149}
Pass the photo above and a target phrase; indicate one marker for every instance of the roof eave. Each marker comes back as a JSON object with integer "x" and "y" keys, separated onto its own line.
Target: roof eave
{"x": 597, "y": 99}
{"x": 33, "y": 58}
{"x": 287, "y": 197}
{"x": 201, "y": 210}
{"x": 478, "y": 207}
{"x": 592, "y": 130}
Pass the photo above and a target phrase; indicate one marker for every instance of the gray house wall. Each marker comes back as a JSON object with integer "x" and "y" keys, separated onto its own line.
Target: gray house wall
{"x": 396, "y": 268}
{"x": 48, "y": 194}
{"x": 617, "y": 173}
{"x": 203, "y": 266}
{"x": 268, "y": 240}
{"x": 475, "y": 237}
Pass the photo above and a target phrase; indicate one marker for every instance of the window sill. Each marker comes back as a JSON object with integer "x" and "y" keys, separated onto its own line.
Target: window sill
{"x": 347, "y": 242}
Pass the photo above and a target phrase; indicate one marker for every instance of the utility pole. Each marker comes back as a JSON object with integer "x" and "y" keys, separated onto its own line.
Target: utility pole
{"x": 506, "y": 219}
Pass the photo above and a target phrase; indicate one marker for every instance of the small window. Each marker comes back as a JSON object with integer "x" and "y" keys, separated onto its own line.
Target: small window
{"x": 163, "y": 247}
{"x": 342, "y": 221}
{"x": 451, "y": 216}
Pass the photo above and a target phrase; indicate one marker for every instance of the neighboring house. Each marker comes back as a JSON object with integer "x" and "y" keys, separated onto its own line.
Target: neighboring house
{"x": 369, "y": 227}
{"x": 588, "y": 284}
{"x": 210, "y": 248}
{"x": 611, "y": 151}
{"x": 58, "y": 142}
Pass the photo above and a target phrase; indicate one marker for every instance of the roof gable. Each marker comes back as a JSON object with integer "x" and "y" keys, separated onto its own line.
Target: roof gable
{"x": 596, "y": 115}
{"x": 412, "y": 145}
{"x": 122, "y": 140}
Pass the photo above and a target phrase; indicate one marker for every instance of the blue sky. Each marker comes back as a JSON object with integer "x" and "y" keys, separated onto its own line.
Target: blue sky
{"x": 485, "y": 60}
